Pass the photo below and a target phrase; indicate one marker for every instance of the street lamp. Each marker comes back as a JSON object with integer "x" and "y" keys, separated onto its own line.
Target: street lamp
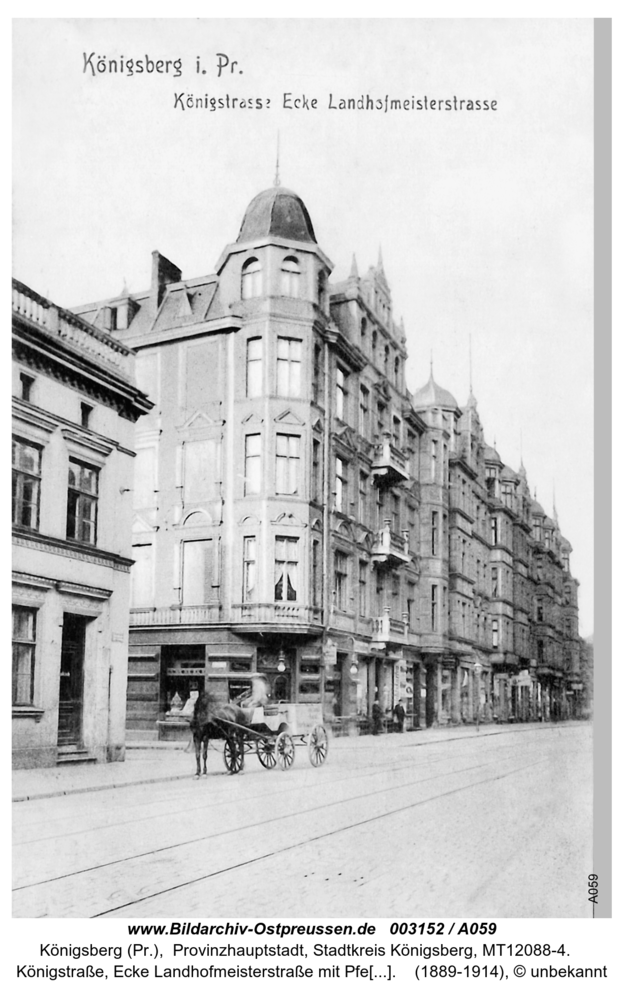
{"x": 477, "y": 669}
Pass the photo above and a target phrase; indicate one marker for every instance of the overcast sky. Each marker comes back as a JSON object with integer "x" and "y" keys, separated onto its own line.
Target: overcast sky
{"x": 484, "y": 217}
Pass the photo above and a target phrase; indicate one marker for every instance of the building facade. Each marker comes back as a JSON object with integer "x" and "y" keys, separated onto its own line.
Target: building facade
{"x": 74, "y": 410}
{"x": 298, "y": 512}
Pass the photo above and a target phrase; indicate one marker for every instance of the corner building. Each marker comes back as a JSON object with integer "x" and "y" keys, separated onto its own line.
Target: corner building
{"x": 293, "y": 507}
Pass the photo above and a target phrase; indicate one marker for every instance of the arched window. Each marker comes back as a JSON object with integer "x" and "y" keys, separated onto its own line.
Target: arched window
{"x": 291, "y": 274}
{"x": 386, "y": 359}
{"x": 251, "y": 279}
{"x": 397, "y": 368}
{"x": 363, "y": 333}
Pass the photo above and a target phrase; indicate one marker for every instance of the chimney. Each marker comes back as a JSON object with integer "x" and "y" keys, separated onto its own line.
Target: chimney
{"x": 163, "y": 273}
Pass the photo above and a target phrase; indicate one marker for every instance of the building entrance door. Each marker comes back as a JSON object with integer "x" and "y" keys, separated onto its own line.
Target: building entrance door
{"x": 72, "y": 679}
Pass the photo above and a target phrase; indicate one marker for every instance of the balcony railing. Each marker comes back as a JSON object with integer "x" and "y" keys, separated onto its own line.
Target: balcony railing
{"x": 391, "y": 547}
{"x": 389, "y": 463}
{"x": 201, "y": 615}
{"x": 276, "y": 614}
{"x": 71, "y": 329}
{"x": 387, "y": 629}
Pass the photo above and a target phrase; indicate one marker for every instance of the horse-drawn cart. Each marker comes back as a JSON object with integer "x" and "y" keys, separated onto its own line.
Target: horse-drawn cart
{"x": 271, "y": 731}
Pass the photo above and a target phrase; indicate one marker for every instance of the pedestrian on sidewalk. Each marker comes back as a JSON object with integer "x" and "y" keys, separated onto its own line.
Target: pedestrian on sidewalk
{"x": 399, "y": 713}
{"x": 376, "y": 714}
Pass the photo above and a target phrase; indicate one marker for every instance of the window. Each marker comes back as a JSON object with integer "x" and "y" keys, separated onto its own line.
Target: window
{"x": 397, "y": 370}
{"x": 287, "y": 464}
{"x": 381, "y": 419}
{"x": 395, "y": 512}
{"x": 363, "y": 589}
{"x": 341, "y": 562}
{"x": 495, "y": 577}
{"x": 249, "y": 569}
{"x": 196, "y": 571}
{"x": 85, "y": 414}
{"x": 363, "y": 499}
{"x": 316, "y": 574}
{"x": 141, "y": 577}
{"x": 434, "y": 608}
{"x": 26, "y": 484}
{"x": 434, "y": 460}
{"x": 540, "y": 650}
{"x": 396, "y": 432}
{"x": 341, "y": 394}
{"x": 494, "y": 530}
{"x": 495, "y": 633}
{"x": 411, "y": 605}
{"x": 342, "y": 485}
{"x": 316, "y": 471}
{"x": 363, "y": 333}
{"x": 26, "y": 384}
{"x": 317, "y": 374}
{"x": 291, "y": 277}
{"x": 364, "y": 412}
{"x": 434, "y": 532}
{"x": 254, "y": 367}
{"x": 463, "y": 556}
{"x": 386, "y": 360}
{"x": 322, "y": 288}
{"x": 288, "y": 367}
{"x": 24, "y": 639}
{"x": 82, "y": 502}
{"x": 540, "y": 610}
{"x": 286, "y": 568}
{"x": 253, "y": 466}
{"x": 396, "y": 594}
{"x": 251, "y": 279}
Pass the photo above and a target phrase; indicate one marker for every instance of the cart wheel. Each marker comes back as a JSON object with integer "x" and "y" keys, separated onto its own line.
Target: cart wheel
{"x": 284, "y": 751}
{"x": 233, "y": 755}
{"x": 265, "y": 748}
{"x": 318, "y": 745}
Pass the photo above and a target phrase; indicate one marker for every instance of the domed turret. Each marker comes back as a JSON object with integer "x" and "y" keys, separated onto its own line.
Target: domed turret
{"x": 432, "y": 394}
{"x": 277, "y": 212}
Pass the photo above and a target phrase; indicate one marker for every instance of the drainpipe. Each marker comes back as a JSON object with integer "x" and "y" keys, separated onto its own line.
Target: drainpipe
{"x": 326, "y": 510}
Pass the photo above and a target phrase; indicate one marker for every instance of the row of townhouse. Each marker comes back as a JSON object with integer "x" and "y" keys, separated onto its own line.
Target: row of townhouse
{"x": 298, "y": 512}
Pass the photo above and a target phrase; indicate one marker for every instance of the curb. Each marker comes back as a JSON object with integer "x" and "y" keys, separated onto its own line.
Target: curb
{"x": 344, "y": 743}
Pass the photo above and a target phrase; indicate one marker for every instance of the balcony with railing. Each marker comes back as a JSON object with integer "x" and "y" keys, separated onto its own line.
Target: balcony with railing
{"x": 267, "y": 617}
{"x": 388, "y": 629}
{"x": 70, "y": 329}
{"x": 391, "y": 548}
{"x": 389, "y": 465}
{"x": 205, "y": 614}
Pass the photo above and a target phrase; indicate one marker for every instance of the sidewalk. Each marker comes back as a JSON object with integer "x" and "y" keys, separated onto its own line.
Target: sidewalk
{"x": 147, "y": 763}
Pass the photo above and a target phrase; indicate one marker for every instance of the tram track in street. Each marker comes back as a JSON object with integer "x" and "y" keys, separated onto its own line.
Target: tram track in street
{"x": 282, "y": 818}
{"x": 327, "y": 777}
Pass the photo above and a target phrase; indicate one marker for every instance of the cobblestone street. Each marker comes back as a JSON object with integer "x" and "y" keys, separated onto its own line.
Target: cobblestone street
{"x": 496, "y": 824}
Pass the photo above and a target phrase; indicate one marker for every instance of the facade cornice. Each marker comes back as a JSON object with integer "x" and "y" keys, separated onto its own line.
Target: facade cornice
{"x": 71, "y": 549}
{"x": 34, "y": 347}
{"x": 347, "y": 352}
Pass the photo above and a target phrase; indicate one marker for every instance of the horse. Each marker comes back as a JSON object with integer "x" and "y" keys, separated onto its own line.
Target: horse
{"x": 211, "y": 717}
